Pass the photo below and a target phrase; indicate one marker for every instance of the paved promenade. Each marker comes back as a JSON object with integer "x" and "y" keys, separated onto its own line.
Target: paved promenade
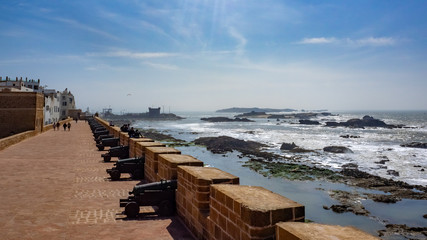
{"x": 54, "y": 186}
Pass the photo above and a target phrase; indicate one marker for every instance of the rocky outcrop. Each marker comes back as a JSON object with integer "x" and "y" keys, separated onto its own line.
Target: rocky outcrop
{"x": 415, "y": 145}
{"x": 349, "y": 136}
{"x": 288, "y": 146}
{"x": 366, "y": 121}
{"x": 337, "y": 149}
{"x": 225, "y": 144}
{"x": 225, "y": 119}
{"x": 309, "y": 122}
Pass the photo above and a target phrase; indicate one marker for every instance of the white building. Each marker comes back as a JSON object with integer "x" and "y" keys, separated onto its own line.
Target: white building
{"x": 67, "y": 103}
{"x": 51, "y": 107}
{"x": 57, "y": 106}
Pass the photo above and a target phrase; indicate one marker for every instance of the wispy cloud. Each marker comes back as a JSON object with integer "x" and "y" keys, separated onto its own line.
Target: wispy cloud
{"x": 241, "y": 40}
{"x": 321, "y": 40}
{"x": 129, "y": 54}
{"x": 383, "y": 41}
{"x": 161, "y": 66}
{"x": 87, "y": 28}
{"x": 369, "y": 41}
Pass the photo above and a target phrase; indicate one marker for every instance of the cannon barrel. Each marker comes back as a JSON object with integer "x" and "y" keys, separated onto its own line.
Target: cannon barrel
{"x": 162, "y": 185}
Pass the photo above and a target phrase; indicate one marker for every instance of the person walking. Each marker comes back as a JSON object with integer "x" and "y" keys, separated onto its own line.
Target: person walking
{"x": 65, "y": 126}
{"x": 54, "y": 126}
{"x": 69, "y": 126}
{"x": 57, "y": 125}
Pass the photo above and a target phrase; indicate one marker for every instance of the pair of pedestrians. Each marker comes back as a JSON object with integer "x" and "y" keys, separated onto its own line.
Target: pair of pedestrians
{"x": 65, "y": 125}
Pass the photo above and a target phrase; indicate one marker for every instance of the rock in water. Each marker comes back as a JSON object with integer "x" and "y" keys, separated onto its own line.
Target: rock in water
{"x": 337, "y": 149}
{"x": 415, "y": 145}
{"x": 288, "y": 146}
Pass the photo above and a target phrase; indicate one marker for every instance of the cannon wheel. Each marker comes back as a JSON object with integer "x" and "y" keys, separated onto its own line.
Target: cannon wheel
{"x": 132, "y": 210}
{"x": 115, "y": 175}
{"x": 166, "y": 208}
{"x": 137, "y": 174}
{"x": 107, "y": 158}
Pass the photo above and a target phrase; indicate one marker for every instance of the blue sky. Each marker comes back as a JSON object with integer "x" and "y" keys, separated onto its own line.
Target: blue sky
{"x": 208, "y": 55}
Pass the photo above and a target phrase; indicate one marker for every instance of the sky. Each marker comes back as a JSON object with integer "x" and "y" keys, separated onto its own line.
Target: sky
{"x": 200, "y": 55}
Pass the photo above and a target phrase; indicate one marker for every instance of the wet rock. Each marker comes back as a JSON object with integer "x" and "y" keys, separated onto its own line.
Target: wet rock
{"x": 415, "y": 145}
{"x": 288, "y": 146}
{"x": 349, "y": 136}
{"x": 349, "y": 166}
{"x": 385, "y": 198}
{"x": 337, "y": 149}
{"x": 385, "y": 159}
{"x": 309, "y": 122}
{"x": 404, "y": 230}
{"x": 366, "y": 121}
{"x": 225, "y": 119}
{"x": 225, "y": 144}
{"x": 393, "y": 173}
{"x": 349, "y": 203}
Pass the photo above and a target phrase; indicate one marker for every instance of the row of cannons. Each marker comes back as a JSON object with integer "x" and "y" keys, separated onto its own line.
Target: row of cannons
{"x": 211, "y": 202}
{"x": 160, "y": 194}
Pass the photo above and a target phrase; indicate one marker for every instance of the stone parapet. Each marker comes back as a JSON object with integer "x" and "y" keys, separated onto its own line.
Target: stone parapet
{"x": 124, "y": 138}
{"x": 168, "y": 165}
{"x": 193, "y": 193}
{"x": 141, "y": 146}
{"x": 316, "y": 231}
{"x": 133, "y": 145}
{"x": 249, "y": 212}
{"x": 152, "y": 161}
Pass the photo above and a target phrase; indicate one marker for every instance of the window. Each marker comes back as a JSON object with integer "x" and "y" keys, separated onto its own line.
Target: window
{"x": 47, "y": 107}
{"x": 64, "y": 103}
{"x": 63, "y": 97}
{"x": 63, "y": 112}
{"x": 71, "y": 100}
{"x": 36, "y": 87}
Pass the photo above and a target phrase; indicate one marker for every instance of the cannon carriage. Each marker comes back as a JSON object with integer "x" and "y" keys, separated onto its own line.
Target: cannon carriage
{"x": 133, "y": 166}
{"x": 121, "y": 152}
{"x": 160, "y": 194}
{"x": 108, "y": 142}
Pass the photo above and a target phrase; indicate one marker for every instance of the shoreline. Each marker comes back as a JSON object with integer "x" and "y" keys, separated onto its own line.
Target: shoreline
{"x": 347, "y": 191}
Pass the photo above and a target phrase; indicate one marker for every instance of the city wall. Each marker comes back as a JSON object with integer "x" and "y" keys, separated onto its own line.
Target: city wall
{"x": 16, "y": 138}
{"x": 213, "y": 205}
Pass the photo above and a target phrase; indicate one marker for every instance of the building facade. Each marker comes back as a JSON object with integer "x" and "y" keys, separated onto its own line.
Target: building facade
{"x": 18, "y": 113}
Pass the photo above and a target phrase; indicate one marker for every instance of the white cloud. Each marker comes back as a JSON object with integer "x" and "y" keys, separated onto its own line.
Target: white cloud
{"x": 369, "y": 41}
{"x": 87, "y": 28}
{"x": 241, "y": 40}
{"x": 320, "y": 40}
{"x": 162, "y": 66}
{"x": 383, "y": 41}
{"x": 137, "y": 55}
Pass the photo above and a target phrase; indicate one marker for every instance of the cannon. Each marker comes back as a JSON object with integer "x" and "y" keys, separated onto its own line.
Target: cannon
{"x": 103, "y": 132}
{"x": 119, "y": 151}
{"x": 108, "y": 142}
{"x": 160, "y": 194}
{"x": 133, "y": 166}
{"x": 100, "y": 137}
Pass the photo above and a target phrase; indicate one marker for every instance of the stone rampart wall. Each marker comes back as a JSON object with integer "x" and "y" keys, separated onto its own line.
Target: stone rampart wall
{"x": 8, "y": 141}
{"x": 214, "y": 206}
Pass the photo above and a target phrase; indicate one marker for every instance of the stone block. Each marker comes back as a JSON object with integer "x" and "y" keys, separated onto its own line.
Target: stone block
{"x": 316, "y": 231}
{"x": 254, "y": 210}
{"x": 132, "y": 145}
{"x": 168, "y": 164}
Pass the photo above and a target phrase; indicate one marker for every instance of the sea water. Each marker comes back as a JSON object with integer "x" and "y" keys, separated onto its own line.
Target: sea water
{"x": 374, "y": 144}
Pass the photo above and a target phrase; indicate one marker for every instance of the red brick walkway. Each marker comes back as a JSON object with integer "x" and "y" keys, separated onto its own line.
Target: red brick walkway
{"x": 54, "y": 186}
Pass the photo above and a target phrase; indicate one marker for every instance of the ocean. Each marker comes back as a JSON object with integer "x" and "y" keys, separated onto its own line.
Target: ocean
{"x": 371, "y": 146}
{"x": 374, "y": 144}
